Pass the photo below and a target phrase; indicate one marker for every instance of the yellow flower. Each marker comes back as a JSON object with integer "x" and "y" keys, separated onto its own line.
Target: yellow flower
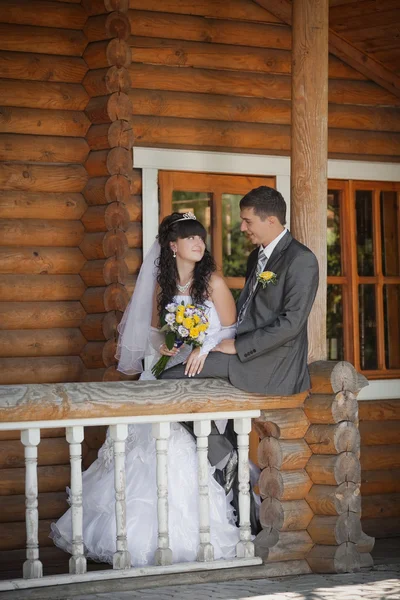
{"x": 196, "y": 319}
{"x": 179, "y": 318}
{"x": 194, "y": 332}
{"x": 190, "y": 306}
{"x": 267, "y": 275}
{"x": 203, "y": 327}
{"x": 188, "y": 322}
{"x": 180, "y": 309}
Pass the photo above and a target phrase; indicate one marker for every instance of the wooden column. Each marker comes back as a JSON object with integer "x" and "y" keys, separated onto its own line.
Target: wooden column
{"x": 309, "y": 148}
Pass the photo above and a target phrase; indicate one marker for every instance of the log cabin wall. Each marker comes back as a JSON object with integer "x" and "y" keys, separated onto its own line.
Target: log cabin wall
{"x": 380, "y": 462}
{"x": 215, "y": 75}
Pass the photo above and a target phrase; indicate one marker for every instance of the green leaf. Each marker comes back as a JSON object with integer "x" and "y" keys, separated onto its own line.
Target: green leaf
{"x": 170, "y": 340}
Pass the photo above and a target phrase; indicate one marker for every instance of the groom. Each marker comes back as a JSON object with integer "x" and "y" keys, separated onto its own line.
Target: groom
{"x": 269, "y": 354}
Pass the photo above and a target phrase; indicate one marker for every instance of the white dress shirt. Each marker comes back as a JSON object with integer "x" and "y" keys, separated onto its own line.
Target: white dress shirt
{"x": 269, "y": 249}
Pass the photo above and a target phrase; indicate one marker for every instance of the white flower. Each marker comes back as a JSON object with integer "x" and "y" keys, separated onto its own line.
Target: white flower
{"x": 170, "y": 318}
{"x": 171, "y": 307}
{"x": 183, "y": 332}
{"x": 201, "y": 337}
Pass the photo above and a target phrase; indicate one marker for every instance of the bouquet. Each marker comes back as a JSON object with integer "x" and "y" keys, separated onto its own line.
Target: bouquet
{"x": 183, "y": 324}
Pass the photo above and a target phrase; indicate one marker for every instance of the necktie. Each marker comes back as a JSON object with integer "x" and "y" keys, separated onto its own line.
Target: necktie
{"x": 262, "y": 260}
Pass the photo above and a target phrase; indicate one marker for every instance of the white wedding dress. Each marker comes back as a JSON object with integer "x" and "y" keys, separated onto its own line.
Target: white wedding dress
{"x": 99, "y": 530}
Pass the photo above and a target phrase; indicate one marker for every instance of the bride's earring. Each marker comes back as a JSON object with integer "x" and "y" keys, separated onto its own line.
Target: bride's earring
{"x": 174, "y": 253}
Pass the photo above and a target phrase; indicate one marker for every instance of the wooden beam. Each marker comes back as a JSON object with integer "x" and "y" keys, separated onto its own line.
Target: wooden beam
{"x": 340, "y": 47}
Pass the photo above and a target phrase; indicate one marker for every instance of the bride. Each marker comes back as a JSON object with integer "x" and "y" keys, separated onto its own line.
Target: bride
{"x": 177, "y": 268}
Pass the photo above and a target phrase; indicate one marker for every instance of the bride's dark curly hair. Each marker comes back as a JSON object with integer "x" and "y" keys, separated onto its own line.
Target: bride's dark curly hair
{"x": 172, "y": 228}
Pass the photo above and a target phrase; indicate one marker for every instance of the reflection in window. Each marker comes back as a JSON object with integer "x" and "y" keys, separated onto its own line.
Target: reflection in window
{"x": 333, "y": 234}
{"x": 334, "y": 325}
{"x": 389, "y": 231}
{"x": 364, "y": 218}
{"x": 391, "y": 308}
{"x": 235, "y": 245}
{"x": 199, "y": 203}
{"x": 367, "y": 323}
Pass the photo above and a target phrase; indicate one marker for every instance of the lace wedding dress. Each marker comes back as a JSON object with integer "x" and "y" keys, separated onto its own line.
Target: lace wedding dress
{"x": 99, "y": 530}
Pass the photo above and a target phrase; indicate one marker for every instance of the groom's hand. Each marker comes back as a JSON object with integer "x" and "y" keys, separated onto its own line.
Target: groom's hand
{"x": 226, "y": 346}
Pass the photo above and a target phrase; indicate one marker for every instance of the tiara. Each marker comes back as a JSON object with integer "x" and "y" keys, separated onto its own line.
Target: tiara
{"x": 186, "y": 217}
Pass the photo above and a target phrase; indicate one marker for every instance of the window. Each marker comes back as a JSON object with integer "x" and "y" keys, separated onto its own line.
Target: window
{"x": 363, "y": 236}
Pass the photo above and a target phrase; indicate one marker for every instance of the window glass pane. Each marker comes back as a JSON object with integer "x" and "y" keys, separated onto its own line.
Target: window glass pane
{"x": 391, "y": 307}
{"x": 335, "y": 346}
{"x": 333, "y": 233}
{"x": 235, "y": 245}
{"x": 389, "y": 204}
{"x": 199, "y": 203}
{"x": 367, "y": 322}
{"x": 365, "y": 249}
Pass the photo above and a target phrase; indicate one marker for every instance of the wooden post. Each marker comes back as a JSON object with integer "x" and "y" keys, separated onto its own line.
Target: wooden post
{"x": 121, "y": 558}
{"x": 309, "y": 148}
{"x": 244, "y": 548}
{"x": 202, "y": 430}
{"x": 77, "y": 562}
{"x": 163, "y": 554}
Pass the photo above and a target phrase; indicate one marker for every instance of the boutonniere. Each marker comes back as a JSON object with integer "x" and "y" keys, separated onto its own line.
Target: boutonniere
{"x": 267, "y": 277}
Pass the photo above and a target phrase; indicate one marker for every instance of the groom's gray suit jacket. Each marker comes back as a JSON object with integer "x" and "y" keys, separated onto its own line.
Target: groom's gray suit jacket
{"x": 271, "y": 343}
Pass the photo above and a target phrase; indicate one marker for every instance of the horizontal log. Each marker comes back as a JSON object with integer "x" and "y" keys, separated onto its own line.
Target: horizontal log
{"x": 334, "y": 470}
{"x": 366, "y": 560}
{"x": 50, "y": 479}
{"x": 104, "y": 299}
{"x": 333, "y": 439}
{"x": 119, "y": 188}
{"x": 52, "y": 369}
{"x": 104, "y": 245}
{"x": 99, "y": 55}
{"x": 41, "y": 121}
{"x": 65, "y": 401}
{"x": 104, "y": 27}
{"x": 236, "y": 9}
{"x": 380, "y": 410}
{"x": 43, "y": 40}
{"x": 41, "y": 342}
{"x": 106, "y": 217}
{"x": 218, "y": 31}
{"x": 34, "y": 205}
{"x": 43, "y": 94}
{"x": 376, "y": 433}
{"x": 134, "y": 235}
{"x": 119, "y": 161}
{"x": 92, "y": 355}
{"x": 29, "y": 232}
{"x": 292, "y": 545}
{"x": 99, "y": 327}
{"x": 293, "y": 515}
{"x": 112, "y": 374}
{"x": 96, "y": 164}
{"x": 117, "y": 134}
{"x": 106, "y": 109}
{"x": 365, "y": 543}
{"x": 331, "y": 531}
{"x": 46, "y": 149}
{"x": 109, "y": 351}
{"x": 51, "y": 451}
{"x": 41, "y": 260}
{"x": 181, "y": 53}
{"x": 256, "y": 85}
{"x": 134, "y": 208}
{"x": 14, "y": 535}
{"x": 40, "y": 315}
{"x": 380, "y": 457}
{"x": 94, "y": 192}
{"x": 265, "y": 539}
{"x": 381, "y": 505}
{"x": 43, "y": 13}
{"x": 33, "y": 288}
{"x": 51, "y": 506}
{"x": 100, "y": 82}
{"x": 335, "y": 500}
{"x": 380, "y": 482}
{"x": 286, "y": 455}
{"x": 285, "y": 485}
{"x": 334, "y": 559}
{"x": 42, "y": 178}
{"x": 97, "y": 273}
{"x": 92, "y": 375}
{"x": 382, "y": 527}
{"x": 284, "y": 424}
{"x": 42, "y": 67}
{"x": 329, "y": 409}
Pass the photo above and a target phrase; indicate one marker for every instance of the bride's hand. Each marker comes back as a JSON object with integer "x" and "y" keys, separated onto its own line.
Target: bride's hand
{"x": 163, "y": 349}
{"x": 195, "y": 363}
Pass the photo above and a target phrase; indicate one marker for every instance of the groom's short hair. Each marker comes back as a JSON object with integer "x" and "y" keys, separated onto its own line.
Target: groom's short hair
{"x": 266, "y": 202}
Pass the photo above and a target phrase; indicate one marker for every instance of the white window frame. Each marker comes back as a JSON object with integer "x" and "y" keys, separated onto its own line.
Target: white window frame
{"x": 151, "y": 160}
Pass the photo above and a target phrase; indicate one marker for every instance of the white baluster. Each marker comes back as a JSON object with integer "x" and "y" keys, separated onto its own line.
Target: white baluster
{"x": 121, "y": 558}
{"x": 163, "y": 554}
{"x": 244, "y": 548}
{"x": 202, "y": 430}
{"x": 33, "y": 568}
{"x": 77, "y": 562}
